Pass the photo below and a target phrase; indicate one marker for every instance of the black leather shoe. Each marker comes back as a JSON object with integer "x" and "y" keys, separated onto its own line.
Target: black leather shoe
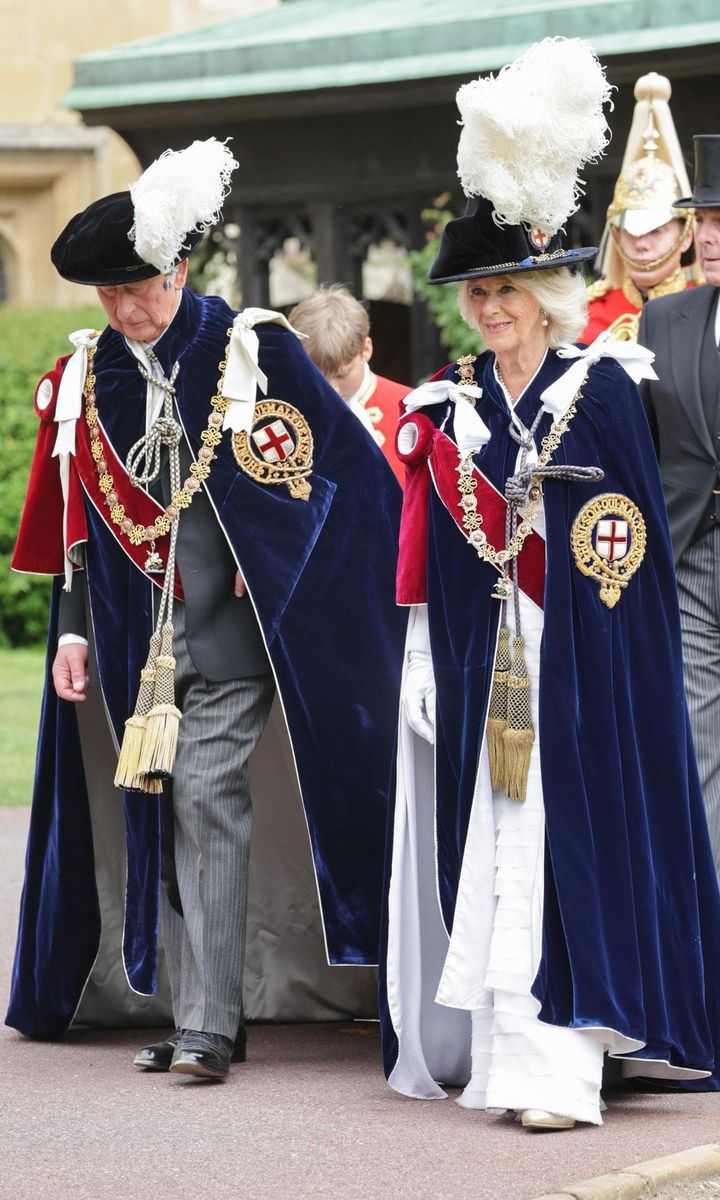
{"x": 158, "y": 1056}
{"x": 204, "y": 1055}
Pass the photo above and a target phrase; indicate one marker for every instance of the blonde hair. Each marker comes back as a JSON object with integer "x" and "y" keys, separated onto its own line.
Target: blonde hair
{"x": 336, "y": 325}
{"x": 561, "y": 295}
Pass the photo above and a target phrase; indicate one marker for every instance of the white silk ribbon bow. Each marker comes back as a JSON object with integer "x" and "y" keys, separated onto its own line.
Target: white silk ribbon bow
{"x": 67, "y": 412}
{"x": 72, "y": 382}
{"x": 471, "y": 432}
{"x": 243, "y": 375}
{"x": 634, "y": 359}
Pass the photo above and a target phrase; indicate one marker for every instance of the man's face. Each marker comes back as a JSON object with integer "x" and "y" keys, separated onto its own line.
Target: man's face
{"x": 707, "y": 239}
{"x": 143, "y": 311}
{"x": 649, "y": 247}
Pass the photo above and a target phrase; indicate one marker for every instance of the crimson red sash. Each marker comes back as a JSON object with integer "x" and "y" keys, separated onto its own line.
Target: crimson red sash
{"x": 435, "y": 457}
{"x": 138, "y": 504}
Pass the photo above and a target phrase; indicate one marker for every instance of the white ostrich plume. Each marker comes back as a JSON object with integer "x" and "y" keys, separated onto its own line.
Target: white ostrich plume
{"x": 528, "y": 131}
{"x": 180, "y": 193}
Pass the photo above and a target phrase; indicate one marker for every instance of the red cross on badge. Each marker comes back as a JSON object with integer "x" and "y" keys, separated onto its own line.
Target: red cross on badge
{"x": 539, "y": 238}
{"x": 274, "y": 442}
{"x": 611, "y": 541}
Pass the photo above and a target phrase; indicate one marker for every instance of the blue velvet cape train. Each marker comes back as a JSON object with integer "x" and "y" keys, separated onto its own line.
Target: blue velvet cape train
{"x": 631, "y": 922}
{"x": 321, "y": 575}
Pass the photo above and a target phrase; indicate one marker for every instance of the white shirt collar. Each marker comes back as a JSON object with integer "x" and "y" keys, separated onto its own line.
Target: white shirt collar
{"x": 363, "y": 386}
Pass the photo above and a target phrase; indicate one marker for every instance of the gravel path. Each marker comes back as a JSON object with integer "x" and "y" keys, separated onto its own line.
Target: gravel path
{"x": 309, "y": 1117}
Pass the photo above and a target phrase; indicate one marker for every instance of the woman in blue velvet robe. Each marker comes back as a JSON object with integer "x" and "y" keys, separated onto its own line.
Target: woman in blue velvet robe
{"x": 528, "y": 937}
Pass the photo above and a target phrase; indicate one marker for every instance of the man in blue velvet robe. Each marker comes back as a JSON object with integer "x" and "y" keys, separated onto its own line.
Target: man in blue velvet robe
{"x": 278, "y": 500}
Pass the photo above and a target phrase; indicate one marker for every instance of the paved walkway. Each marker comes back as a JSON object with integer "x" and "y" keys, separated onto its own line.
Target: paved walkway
{"x": 307, "y": 1118}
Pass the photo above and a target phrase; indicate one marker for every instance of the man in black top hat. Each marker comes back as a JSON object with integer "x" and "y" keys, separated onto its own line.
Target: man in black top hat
{"x": 155, "y": 450}
{"x": 683, "y": 407}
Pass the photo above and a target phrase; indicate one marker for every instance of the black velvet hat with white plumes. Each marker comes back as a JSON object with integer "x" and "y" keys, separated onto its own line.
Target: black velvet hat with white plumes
{"x": 130, "y": 236}
{"x": 474, "y": 246}
{"x": 95, "y": 247}
{"x": 526, "y": 133}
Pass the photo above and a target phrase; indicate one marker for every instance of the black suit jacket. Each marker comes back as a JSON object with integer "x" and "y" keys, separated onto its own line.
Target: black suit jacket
{"x": 688, "y": 451}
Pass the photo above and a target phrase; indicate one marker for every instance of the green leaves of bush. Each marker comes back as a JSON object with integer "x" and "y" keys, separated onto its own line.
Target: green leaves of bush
{"x": 441, "y": 299}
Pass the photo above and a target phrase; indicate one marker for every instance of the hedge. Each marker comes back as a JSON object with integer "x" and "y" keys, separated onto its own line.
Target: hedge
{"x": 31, "y": 340}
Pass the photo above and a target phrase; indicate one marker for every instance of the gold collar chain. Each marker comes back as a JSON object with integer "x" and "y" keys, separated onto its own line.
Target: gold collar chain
{"x": 675, "y": 282}
{"x": 472, "y": 520}
{"x": 182, "y": 498}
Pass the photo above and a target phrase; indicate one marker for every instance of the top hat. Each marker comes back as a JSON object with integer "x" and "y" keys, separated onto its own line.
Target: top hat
{"x": 147, "y": 230}
{"x": 706, "y": 188}
{"x": 525, "y": 135}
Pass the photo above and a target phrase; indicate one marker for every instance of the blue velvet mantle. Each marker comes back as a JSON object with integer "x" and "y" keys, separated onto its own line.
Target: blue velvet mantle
{"x": 321, "y": 576}
{"x": 632, "y": 911}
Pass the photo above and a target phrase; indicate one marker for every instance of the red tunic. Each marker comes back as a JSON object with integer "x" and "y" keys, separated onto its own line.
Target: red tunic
{"x": 611, "y": 309}
{"x": 382, "y": 404}
{"x": 604, "y": 311}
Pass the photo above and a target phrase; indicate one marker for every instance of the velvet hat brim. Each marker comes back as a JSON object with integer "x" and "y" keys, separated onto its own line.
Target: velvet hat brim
{"x": 95, "y": 248}
{"x": 475, "y": 246}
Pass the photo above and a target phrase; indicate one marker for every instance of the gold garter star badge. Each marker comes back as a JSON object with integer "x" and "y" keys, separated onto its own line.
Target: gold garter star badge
{"x": 608, "y": 541}
{"x": 278, "y": 449}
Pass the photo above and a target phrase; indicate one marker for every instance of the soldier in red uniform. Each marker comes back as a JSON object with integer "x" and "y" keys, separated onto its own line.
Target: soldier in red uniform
{"x": 645, "y": 238}
{"x": 337, "y": 330}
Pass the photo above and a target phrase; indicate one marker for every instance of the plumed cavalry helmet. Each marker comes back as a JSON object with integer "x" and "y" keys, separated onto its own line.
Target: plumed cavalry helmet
{"x": 651, "y": 179}
{"x": 526, "y": 133}
{"x": 149, "y": 228}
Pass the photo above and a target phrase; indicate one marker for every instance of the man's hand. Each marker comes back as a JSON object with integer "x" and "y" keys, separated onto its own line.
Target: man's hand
{"x": 69, "y": 672}
{"x": 240, "y": 588}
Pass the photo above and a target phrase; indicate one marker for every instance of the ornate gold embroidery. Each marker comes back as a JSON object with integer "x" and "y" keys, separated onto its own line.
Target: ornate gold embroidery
{"x": 625, "y": 327}
{"x": 612, "y": 573}
{"x": 293, "y": 463}
{"x": 212, "y": 436}
{"x": 472, "y": 520}
{"x": 597, "y": 289}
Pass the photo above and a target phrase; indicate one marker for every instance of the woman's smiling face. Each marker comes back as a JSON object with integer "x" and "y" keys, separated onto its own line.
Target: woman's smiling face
{"x": 507, "y": 314}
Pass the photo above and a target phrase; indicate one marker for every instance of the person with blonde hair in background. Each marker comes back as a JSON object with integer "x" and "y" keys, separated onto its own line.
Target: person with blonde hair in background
{"x": 337, "y": 331}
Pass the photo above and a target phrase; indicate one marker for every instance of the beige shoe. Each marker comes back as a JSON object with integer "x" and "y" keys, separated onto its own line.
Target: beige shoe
{"x": 537, "y": 1118}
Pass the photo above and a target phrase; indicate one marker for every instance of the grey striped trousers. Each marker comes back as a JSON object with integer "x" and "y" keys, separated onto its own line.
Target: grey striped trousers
{"x": 698, "y": 574}
{"x": 207, "y": 824}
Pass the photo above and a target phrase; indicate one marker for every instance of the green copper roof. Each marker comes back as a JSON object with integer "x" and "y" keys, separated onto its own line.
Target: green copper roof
{"x": 318, "y": 44}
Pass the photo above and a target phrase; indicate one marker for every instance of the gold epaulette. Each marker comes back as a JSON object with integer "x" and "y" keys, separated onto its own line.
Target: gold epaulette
{"x": 597, "y": 289}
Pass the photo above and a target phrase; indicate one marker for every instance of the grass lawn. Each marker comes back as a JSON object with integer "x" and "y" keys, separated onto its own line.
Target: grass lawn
{"x": 21, "y": 672}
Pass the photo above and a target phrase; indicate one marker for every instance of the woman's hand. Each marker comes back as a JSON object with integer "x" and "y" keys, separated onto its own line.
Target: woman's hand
{"x": 418, "y": 696}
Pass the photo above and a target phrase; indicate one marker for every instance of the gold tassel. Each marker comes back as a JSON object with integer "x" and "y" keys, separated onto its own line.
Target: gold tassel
{"x": 163, "y": 720}
{"x": 497, "y": 711}
{"x": 127, "y": 773}
{"x": 519, "y": 736}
